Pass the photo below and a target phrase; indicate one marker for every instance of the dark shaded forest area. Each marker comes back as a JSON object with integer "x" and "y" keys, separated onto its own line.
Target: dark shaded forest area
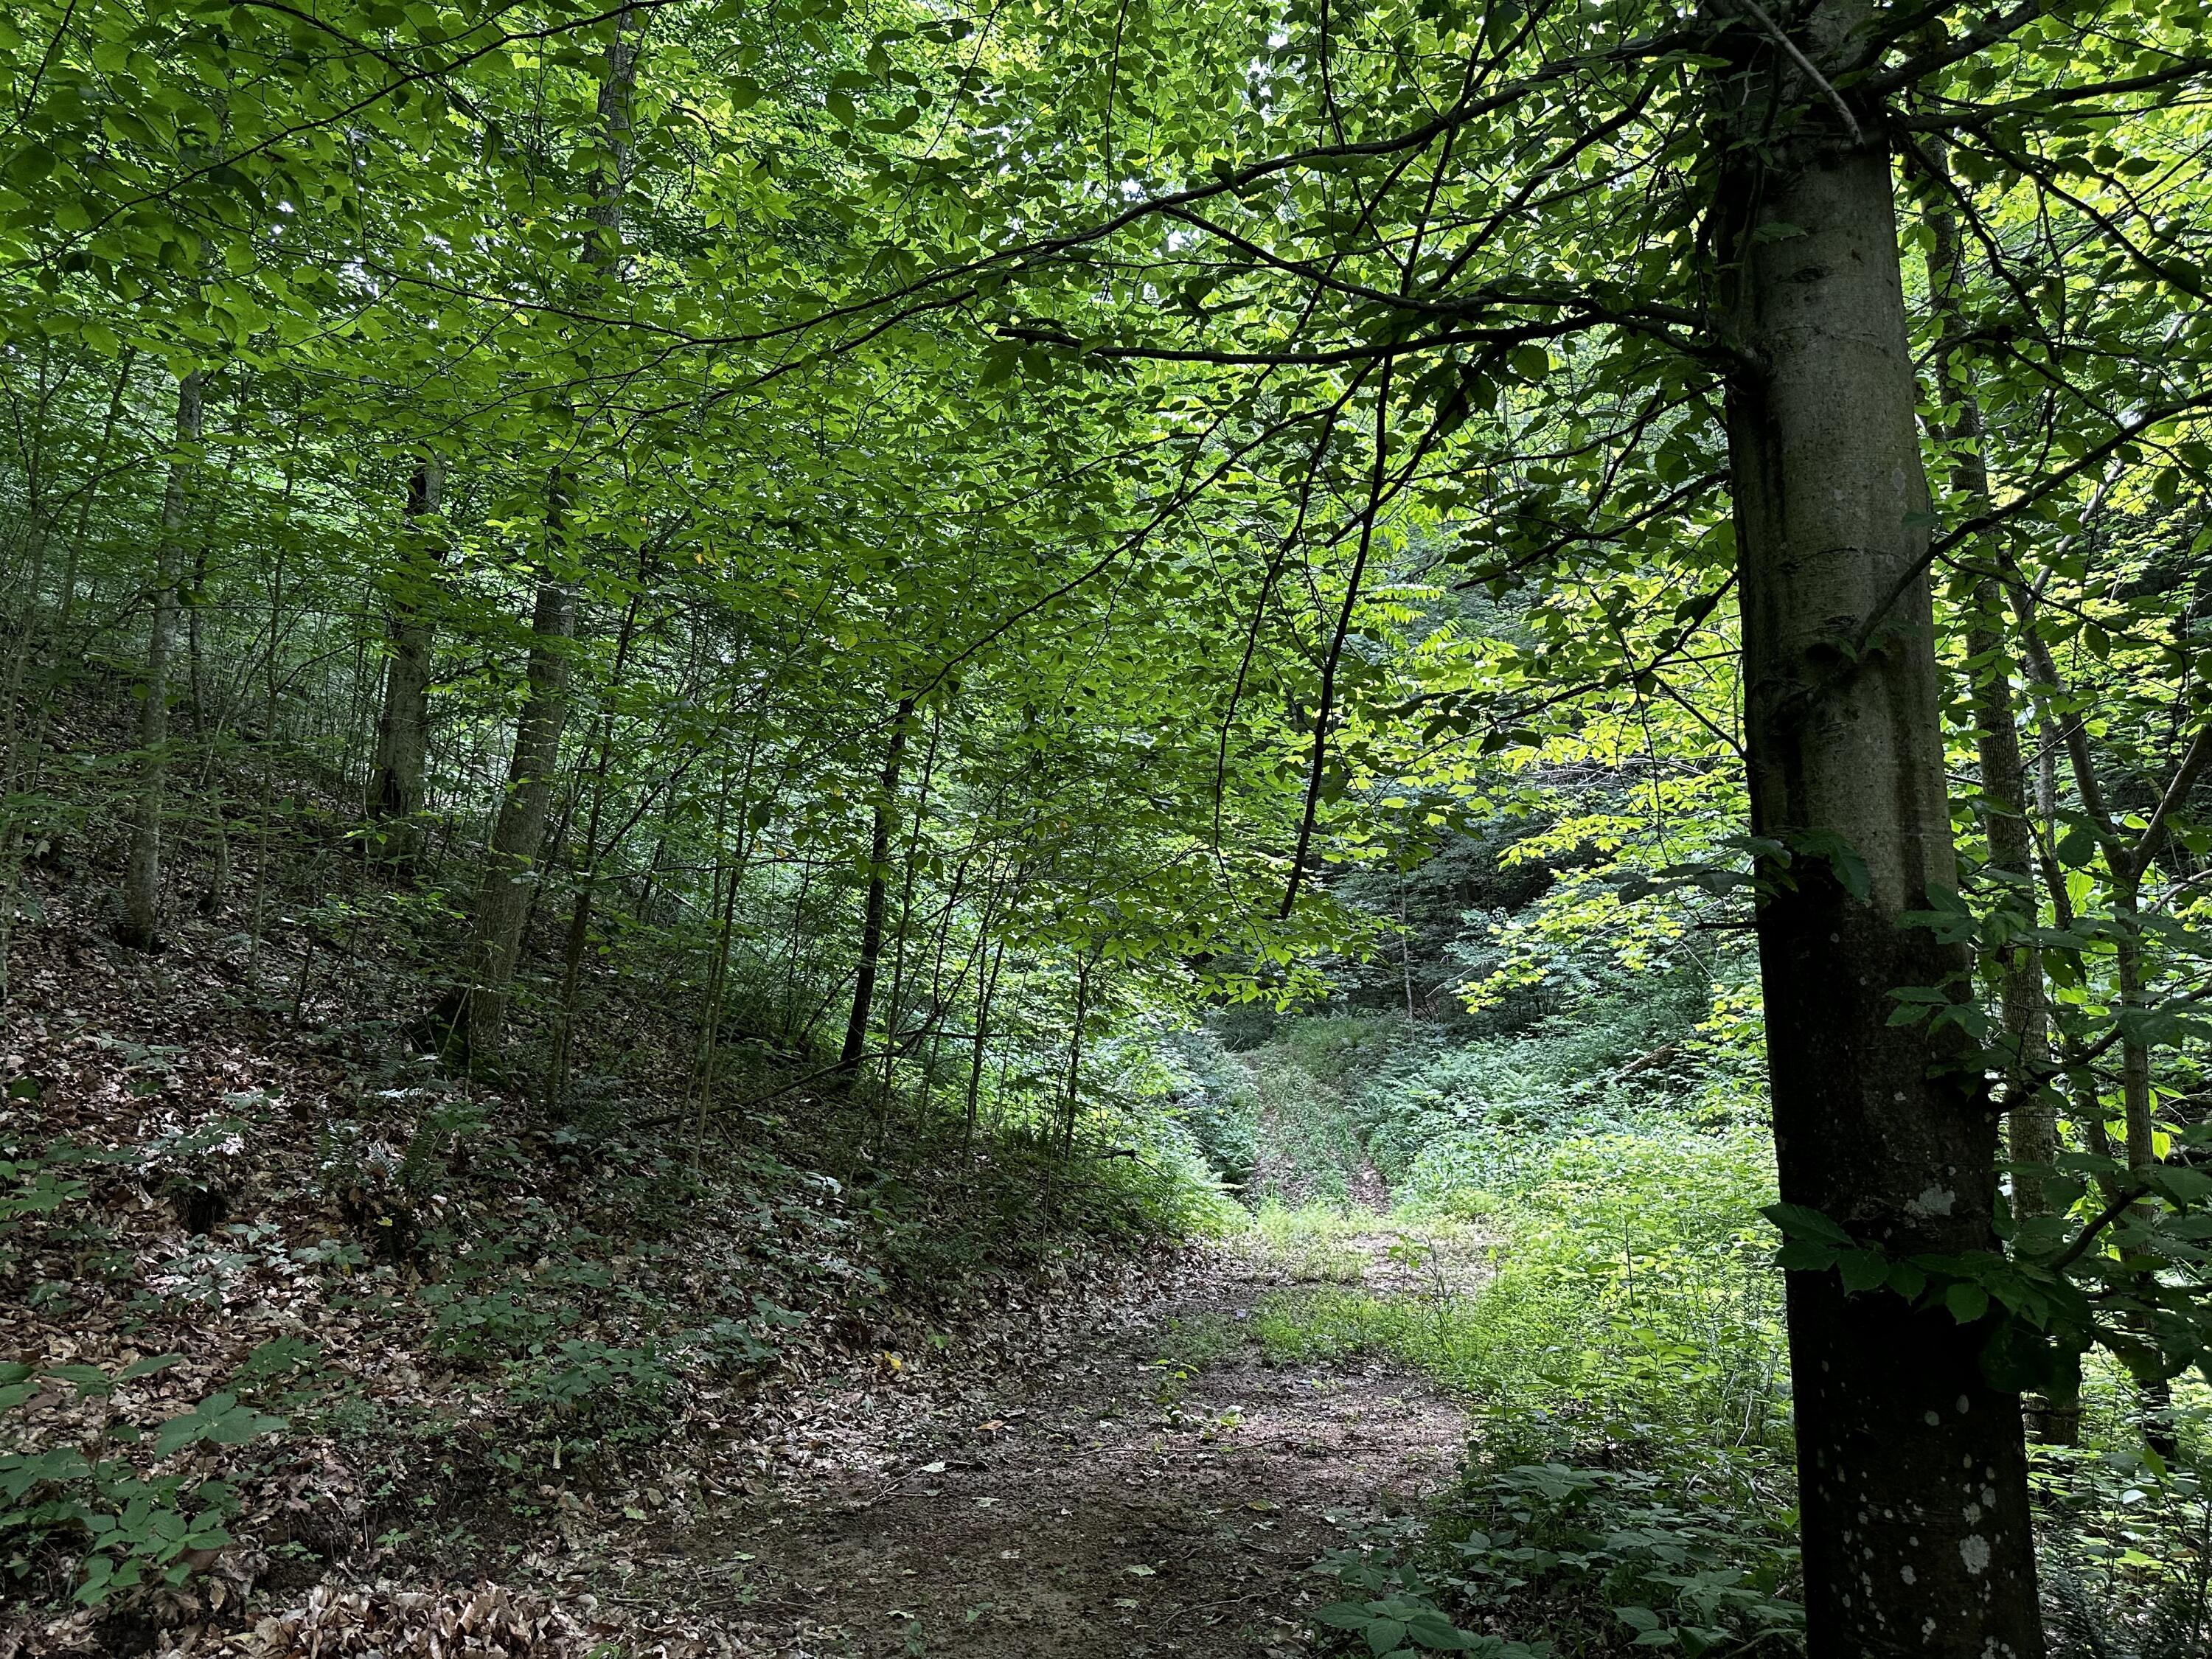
{"x": 838, "y": 827}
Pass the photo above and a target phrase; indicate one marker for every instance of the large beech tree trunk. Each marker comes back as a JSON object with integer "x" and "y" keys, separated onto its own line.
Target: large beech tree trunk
{"x": 1912, "y": 1468}
{"x": 142, "y": 871}
{"x": 403, "y": 731}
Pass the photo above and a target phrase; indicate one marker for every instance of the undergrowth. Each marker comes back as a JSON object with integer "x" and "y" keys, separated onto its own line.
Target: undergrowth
{"x": 1630, "y": 1482}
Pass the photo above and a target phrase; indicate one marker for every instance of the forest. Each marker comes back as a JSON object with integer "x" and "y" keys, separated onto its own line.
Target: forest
{"x": 890, "y": 827}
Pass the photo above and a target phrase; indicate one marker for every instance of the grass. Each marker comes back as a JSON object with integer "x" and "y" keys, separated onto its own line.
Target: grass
{"x": 1325, "y": 1243}
{"x": 1634, "y": 1298}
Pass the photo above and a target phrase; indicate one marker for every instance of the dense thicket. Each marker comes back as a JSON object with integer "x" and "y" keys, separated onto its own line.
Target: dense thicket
{"x": 962, "y": 532}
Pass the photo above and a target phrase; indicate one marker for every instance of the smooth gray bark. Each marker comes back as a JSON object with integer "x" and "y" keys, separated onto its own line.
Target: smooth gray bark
{"x": 512, "y": 863}
{"x": 1912, "y": 1468}
{"x": 877, "y": 900}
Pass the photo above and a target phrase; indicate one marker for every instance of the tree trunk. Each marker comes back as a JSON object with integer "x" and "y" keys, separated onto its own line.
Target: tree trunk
{"x": 1912, "y": 1469}
{"x": 511, "y": 866}
{"x": 587, "y": 879}
{"x": 141, "y": 874}
{"x": 2033, "y": 1121}
{"x": 403, "y": 731}
{"x": 872, "y": 915}
{"x": 986, "y": 990}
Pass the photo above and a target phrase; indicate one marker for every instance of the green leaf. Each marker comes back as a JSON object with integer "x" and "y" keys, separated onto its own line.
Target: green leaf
{"x": 1803, "y": 1255}
{"x": 220, "y": 1420}
{"x": 1862, "y": 1270}
{"x": 1967, "y": 1302}
{"x": 1799, "y": 1222}
{"x": 1343, "y": 1615}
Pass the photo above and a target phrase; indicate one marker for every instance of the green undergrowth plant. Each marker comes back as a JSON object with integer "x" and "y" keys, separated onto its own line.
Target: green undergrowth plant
{"x": 1459, "y": 1129}
{"x": 561, "y": 1297}
{"x": 1311, "y": 1242}
{"x": 1629, "y": 1484}
{"x": 2125, "y": 1539}
{"x": 1588, "y": 1561}
{"x": 126, "y": 1503}
{"x": 1632, "y": 1294}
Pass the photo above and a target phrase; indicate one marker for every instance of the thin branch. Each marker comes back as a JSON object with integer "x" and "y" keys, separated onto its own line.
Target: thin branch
{"x": 1774, "y": 34}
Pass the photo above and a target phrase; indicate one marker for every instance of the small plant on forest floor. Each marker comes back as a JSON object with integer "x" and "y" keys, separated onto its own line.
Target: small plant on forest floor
{"x": 103, "y": 1507}
{"x": 1599, "y": 1560}
{"x": 1315, "y": 1243}
{"x": 2126, "y": 1547}
{"x": 1394, "y": 1609}
{"x": 1184, "y": 1348}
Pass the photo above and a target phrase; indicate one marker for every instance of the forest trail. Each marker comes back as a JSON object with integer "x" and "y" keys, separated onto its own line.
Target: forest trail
{"x": 1154, "y": 1488}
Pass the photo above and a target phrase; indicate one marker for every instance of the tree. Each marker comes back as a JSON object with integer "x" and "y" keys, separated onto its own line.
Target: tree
{"x": 141, "y": 875}
{"x": 1911, "y": 1470}
{"x": 1613, "y": 242}
{"x": 884, "y": 811}
{"x": 1113, "y": 381}
{"x": 403, "y": 731}
{"x": 511, "y": 872}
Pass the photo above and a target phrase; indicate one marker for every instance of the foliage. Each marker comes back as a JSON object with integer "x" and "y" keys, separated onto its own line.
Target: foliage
{"x": 997, "y": 532}
{"x": 1631, "y": 1300}
{"x": 129, "y": 1512}
{"x": 1597, "y": 1559}
{"x": 2133, "y": 1279}
{"x": 2128, "y": 1552}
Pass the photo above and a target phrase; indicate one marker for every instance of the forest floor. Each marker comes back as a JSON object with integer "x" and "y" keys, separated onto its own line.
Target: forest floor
{"x": 1076, "y": 1453}
{"x": 1150, "y": 1485}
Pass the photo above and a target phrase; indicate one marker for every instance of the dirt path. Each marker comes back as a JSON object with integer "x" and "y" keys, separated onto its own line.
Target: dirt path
{"x": 1104, "y": 1505}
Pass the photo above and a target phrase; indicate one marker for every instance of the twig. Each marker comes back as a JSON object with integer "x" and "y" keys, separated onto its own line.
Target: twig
{"x": 1804, "y": 63}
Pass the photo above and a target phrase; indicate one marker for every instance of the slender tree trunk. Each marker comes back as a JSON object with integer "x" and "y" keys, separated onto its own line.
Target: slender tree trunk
{"x": 987, "y": 991}
{"x": 895, "y": 1022}
{"x": 872, "y": 915}
{"x": 141, "y": 875}
{"x": 2126, "y": 863}
{"x": 511, "y": 865}
{"x": 402, "y": 730}
{"x": 2034, "y": 1122}
{"x": 2155, "y": 1395}
{"x": 791, "y": 955}
{"x": 23, "y": 628}
{"x": 2032, "y": 1113}
{"x": 1073, "y": 1089}
{"x": 580, "y": 915}
{"x": 27, "y": 744}
{"x": 1912, "y": 1469}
